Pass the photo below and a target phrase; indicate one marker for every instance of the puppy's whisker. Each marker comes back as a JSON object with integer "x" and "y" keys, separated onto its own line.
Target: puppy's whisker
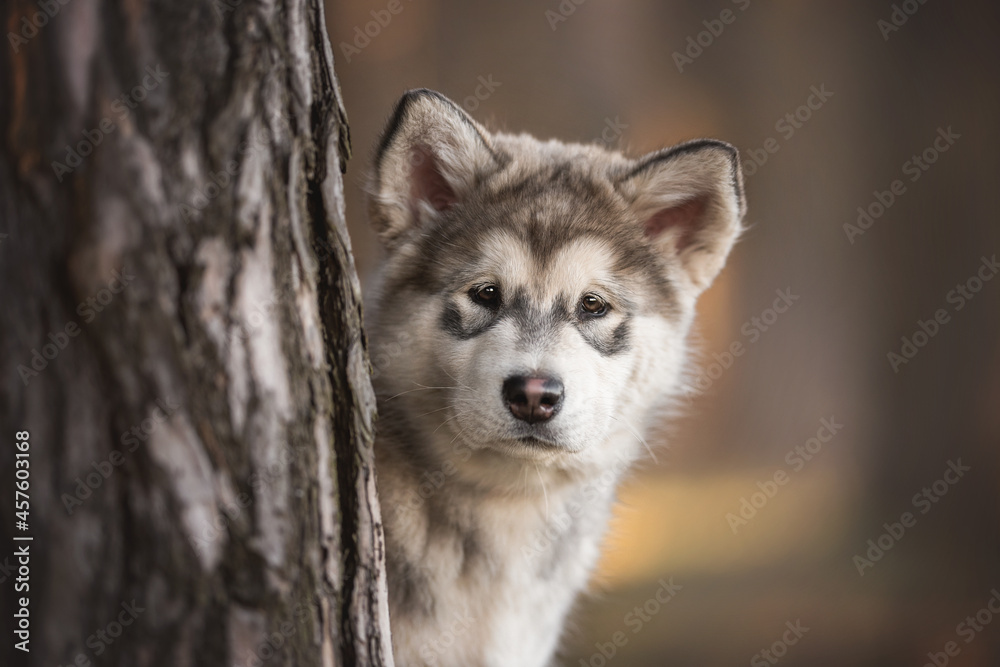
{"x": 419, "y": 388}
{"x": 454, "y": 416}
{"x": 458, "y": 383}
{"x": 460, "y": 434}
{"x": 638, "y": 437}
{"x": 433, "y": 411}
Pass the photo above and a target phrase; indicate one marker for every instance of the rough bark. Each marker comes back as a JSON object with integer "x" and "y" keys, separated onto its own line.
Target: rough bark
{"x": 201, "y": 426}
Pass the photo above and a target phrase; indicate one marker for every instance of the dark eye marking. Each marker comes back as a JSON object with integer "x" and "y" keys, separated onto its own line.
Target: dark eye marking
{"x": 608, "y": 343}
{"x": 469, "y": 326}
{"x": 604, "y": 336}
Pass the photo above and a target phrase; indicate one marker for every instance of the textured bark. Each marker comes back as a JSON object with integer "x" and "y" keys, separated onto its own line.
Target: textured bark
{"x": 218, "y": 389}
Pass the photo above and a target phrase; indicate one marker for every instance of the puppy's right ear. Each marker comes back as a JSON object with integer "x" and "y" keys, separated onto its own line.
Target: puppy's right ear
{"x": 429, "y": 158}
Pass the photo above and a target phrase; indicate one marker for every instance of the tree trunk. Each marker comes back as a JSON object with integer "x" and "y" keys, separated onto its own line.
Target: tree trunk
{"x": 181, "y": 342}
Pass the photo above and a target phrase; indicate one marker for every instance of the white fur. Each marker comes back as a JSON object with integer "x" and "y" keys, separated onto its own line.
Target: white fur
{"x": 490, "y": 538}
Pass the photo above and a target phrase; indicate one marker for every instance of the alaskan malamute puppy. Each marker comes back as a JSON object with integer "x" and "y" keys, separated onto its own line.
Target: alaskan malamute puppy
{"x": 529, "y": 322}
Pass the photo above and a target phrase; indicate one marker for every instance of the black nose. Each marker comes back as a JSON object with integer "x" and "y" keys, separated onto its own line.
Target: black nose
{"x": 533, "y": 399}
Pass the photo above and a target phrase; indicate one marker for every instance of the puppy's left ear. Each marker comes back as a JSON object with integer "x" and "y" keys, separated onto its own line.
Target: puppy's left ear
{"x": 689, "y": 199}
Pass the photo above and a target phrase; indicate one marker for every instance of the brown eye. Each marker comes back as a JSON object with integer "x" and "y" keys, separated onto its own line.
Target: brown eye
{"x": 487, "y": 296}
{"x": 593, "y": 305}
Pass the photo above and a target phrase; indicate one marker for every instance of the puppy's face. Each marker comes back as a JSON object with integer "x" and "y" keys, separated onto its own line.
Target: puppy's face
{"x": 546, "y": 289}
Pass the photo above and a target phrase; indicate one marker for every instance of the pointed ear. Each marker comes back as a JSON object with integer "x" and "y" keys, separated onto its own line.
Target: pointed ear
{"x": 689, "y": 199}
{"x": 430, "y": 156}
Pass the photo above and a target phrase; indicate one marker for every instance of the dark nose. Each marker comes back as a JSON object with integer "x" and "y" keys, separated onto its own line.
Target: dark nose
{"x": 533, "y": 399}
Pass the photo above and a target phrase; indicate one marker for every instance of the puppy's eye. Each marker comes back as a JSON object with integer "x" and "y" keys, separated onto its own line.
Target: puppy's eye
{"x": 593, "y": 305}
{"x": 487, "y": 296}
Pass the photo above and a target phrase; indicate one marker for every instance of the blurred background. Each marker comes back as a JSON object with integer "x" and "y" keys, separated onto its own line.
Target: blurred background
{"x": 788, "y": 458}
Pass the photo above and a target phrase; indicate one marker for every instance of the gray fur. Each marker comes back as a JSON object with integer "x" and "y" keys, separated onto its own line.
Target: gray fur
{"x": 492, "y": 524}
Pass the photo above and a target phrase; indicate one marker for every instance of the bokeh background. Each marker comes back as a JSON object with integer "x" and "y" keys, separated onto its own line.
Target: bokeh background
{"x": 607, "y": 71}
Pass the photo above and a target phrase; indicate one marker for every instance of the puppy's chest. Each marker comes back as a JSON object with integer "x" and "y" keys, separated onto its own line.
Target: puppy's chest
{"x": 506, "y": 571}
{"x": 513, "y": 542}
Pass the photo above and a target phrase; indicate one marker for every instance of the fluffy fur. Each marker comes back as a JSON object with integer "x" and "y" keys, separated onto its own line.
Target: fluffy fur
{"x": 492, "y": 523}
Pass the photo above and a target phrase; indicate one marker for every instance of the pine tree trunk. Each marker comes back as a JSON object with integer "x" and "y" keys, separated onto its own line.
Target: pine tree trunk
{"x": 181, "y": 341}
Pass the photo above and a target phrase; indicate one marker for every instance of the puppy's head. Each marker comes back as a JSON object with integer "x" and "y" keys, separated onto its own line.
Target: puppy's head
{"x": 543, "y": 291}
